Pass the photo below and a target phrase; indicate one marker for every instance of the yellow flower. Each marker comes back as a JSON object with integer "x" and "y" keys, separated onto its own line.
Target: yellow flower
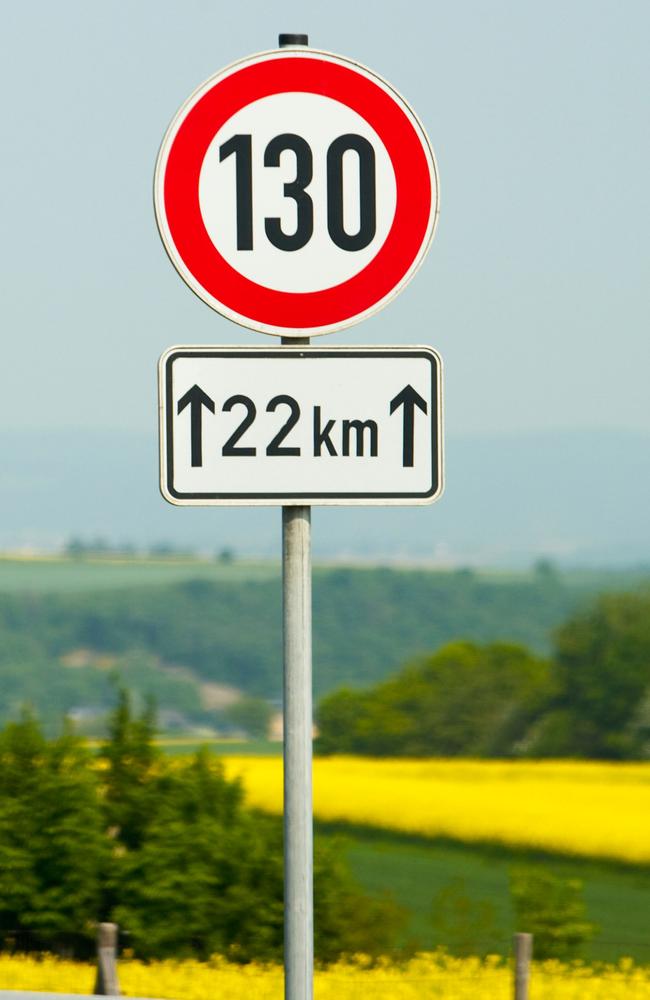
{"x": 586, "y": 808}
{"x": 428, "y": 975}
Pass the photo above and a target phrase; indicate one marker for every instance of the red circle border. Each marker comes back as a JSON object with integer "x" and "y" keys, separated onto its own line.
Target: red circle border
{"x": 338, "y": 304}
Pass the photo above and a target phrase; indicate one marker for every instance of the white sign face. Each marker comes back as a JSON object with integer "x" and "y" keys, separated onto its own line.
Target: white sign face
{"x": 287, "y": 426}
{"x": 310, "y": 259}
{"x": 296, "y": 191}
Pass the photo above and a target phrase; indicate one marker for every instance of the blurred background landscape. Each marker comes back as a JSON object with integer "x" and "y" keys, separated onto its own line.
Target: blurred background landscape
{"x": 481, "y": 665}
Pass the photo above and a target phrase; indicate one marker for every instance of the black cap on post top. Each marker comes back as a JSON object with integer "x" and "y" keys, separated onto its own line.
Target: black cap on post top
{"x": 284, "y": 40}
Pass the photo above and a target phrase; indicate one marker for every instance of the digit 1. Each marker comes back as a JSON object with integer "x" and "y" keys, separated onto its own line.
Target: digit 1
{"x": 241, "y": 146}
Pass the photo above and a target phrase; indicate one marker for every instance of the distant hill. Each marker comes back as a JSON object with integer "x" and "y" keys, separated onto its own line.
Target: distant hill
{"x": 170, "y": 629}
{"x": 581, "y": 497}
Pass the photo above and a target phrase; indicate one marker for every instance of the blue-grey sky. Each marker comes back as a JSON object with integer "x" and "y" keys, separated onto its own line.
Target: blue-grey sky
{"x": 536, "y": 287}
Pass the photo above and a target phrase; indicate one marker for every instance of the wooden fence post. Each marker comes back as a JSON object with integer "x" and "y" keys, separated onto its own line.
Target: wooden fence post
{"x": 106, "y": 983}
{"x": 523, "y": 948}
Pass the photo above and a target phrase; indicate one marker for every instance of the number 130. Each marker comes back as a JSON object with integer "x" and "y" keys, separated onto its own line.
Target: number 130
{"x": 241, "y": 146}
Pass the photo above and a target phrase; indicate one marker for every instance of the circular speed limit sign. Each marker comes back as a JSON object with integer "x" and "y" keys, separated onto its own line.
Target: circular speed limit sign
{"x": 296, "y": 192}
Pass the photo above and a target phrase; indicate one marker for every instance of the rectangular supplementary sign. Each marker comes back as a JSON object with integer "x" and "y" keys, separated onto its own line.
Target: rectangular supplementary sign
{"x": 300, "y": 425}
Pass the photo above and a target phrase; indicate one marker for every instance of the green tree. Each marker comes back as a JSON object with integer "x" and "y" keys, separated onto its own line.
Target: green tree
{"x": 253, "y": 715}
{"x": 348, "y": 921}
{"x": 545, "y": 571}
{"x": 53, "y": 849}
{"x": 602, "y": 678}
{"x": 195, "y": 872}
{"x": 465, "y": 699}
{"x": 464, "y": 925}
{"x": 208, "y": 878}
{"x": 166, "y": 846}
{"x": 131, "y": 759}
{"x": 552, "y": 909}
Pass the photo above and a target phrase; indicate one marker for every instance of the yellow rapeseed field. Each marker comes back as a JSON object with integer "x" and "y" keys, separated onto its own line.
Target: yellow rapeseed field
{"x": 585, "y": 808}
{"x": 435, "y": 976}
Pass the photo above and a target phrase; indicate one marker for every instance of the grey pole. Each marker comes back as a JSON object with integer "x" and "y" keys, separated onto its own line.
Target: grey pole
{"x": 297, "y": 718}
{"x": 523, "y": 948}
{"x": 297, "y": 709}
{"x": 106, "y": 981}
{"x": 298, "y": 832}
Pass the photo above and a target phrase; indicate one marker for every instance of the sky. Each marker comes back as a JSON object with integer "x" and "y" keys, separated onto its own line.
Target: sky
{"x": 535, "y": 291}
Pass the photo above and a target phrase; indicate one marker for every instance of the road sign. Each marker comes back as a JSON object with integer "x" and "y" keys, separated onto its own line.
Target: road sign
{"x": 300, "y": 425}
{"x": 296, "y": 192}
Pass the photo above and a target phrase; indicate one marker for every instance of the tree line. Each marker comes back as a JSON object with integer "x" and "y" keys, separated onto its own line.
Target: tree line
{"x": 366, "y": 623}
{"x": 589, "y": 698}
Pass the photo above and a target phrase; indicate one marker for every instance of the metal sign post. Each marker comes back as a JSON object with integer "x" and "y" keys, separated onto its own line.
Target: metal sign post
{"x": 297, "y": 715}
{"x": 297, "y": 709}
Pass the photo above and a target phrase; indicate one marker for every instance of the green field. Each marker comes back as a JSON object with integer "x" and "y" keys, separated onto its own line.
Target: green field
{"x": 617, "y": 899}
{"x": 52, "y": 575}
{"x": 180, "y": 746}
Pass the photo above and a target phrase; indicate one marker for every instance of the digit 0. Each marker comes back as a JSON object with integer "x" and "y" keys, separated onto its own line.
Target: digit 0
{"x": 367, "y": 192}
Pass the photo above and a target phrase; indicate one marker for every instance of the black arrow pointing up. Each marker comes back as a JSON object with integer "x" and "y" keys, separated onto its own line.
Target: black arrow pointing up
{"x": 409, "y": 399}
{"x": 195, "y": 398}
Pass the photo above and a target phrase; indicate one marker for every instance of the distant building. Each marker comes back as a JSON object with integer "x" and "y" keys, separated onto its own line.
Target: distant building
{"x": 276, "y": 728}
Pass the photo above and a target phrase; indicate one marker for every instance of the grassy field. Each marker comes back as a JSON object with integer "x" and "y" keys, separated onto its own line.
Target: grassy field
{"x": 617, "y": 900}
{"x": 64, "y": 573}
{"x": 60, "y": 574}
{"x": 178, "y": 746}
